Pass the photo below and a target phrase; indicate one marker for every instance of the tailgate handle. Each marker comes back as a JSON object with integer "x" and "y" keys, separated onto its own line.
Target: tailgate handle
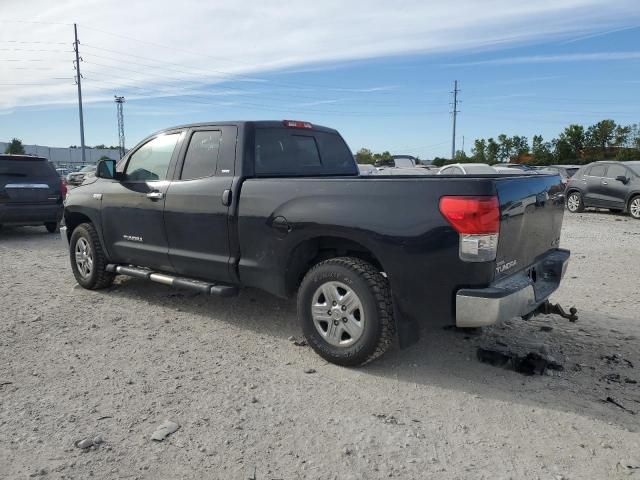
{"x": 155, "y": 195}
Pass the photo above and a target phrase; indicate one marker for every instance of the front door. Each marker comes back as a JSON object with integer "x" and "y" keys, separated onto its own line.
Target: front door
{"x": 133, "y": 206}
{"x": 197, "y": 207}
{"x": 614, "y": 192}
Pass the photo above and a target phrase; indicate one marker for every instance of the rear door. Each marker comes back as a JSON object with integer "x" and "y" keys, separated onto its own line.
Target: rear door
{"x": 594, "y": 195}
{"x": 614, "y": 192}
{"x": 531, "y": 211}
{"x": 29, "y": 181}
{"x": 133, "y": 206}
{"x": 196, "y": 210}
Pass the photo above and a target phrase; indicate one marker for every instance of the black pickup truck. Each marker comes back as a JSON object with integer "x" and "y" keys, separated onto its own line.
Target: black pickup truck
{"x": 280, "y": 206}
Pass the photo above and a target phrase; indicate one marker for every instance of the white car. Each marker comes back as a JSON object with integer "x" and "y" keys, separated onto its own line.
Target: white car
{"x": 467, "y": 169}
{"x": 76, "y": 178}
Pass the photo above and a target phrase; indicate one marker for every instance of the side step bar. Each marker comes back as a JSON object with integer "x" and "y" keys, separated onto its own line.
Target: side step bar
{"x": 181, "y": 282}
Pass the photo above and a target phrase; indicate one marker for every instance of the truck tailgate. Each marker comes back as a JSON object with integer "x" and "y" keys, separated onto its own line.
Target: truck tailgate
{"x": 531, "y": 211}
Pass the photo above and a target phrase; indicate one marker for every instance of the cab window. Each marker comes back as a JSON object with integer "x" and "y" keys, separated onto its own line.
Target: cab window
{"x": 151, "y": 161}
{"x": 201, "y": 159}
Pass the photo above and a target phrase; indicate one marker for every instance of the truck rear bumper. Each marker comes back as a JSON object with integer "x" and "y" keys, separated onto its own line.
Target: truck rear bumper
{"x": 514, "y": 296}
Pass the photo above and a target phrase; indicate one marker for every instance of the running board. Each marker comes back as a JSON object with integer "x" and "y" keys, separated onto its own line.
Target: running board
{"x": 181, "y": 282}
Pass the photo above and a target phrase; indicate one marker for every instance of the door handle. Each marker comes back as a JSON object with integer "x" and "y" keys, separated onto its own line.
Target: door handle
{"x": 155, "y": 195}
{"x": 605, "y": 183}
{"x": 226, "y": 198}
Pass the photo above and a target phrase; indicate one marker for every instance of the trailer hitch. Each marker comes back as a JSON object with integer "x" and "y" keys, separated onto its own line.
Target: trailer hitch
{"x": 548, "y": 308}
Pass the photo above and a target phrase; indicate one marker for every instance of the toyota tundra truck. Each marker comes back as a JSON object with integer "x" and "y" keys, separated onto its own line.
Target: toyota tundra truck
{"x": 280, "y": 206}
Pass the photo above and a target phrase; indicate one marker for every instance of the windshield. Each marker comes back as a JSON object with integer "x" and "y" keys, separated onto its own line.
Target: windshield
{"x": 635, "y": 168}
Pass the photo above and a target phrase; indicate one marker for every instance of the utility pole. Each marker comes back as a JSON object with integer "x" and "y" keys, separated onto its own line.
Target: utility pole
{"x": 119, "y": 101}
{"x": 78, "y": 82}
{"x": 455, "y": 113}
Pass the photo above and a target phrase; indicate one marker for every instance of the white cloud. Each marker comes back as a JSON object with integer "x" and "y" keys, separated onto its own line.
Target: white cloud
{"x": 199, "y": 42}
{"x": 567, "y": 57}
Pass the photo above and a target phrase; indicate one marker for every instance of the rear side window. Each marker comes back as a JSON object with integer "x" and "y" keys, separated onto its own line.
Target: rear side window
{"x": 597, "y": 170}
{"x": 27, "y": 169}
{"x": 289, "y": 152}
{"x": 201, "y": 159}
{"x": 616, "y": 171}
{"x": 571, "y": 171}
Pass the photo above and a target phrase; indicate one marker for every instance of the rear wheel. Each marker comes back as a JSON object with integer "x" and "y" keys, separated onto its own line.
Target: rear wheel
{"x": 52, "y": 227}
{"x": 575, "y": 204}
{"x": 345, "y": 307}
{"x": 634, "y": 207}
{"x": 88, "y": 260}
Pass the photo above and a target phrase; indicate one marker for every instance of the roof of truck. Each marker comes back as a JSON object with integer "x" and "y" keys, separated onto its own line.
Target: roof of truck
{"x": 253, "y": 123}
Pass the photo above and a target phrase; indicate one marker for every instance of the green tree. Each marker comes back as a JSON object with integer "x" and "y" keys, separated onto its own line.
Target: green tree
{"x": 562, "y": 150}
{"x": 541, "y": 151}
{"x": 479, "y": 151}
{"x": 438, "y": 161}
{"x": 461, "y": 157}
{"x": 602, "y": 135}
{"x": 492, "y": 151}
{"x": 383, "y": 159}
{"x": 364, "y": 156}
{"x": 627, "y": 154}
{"x": 621, "y": 136}
{"x": 15, "y": 147}
{"x": 506, "y": 145}
{"x": 520, "y": 146}
{"x": 574, "y": 136}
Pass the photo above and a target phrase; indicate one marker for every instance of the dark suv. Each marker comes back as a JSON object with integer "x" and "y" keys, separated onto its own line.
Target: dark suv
{"x": 612, "y": 185}
{"x": 31, "y": 192}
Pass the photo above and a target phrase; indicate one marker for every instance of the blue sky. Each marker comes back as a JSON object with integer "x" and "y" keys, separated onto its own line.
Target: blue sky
{"x": 520, "y": 72}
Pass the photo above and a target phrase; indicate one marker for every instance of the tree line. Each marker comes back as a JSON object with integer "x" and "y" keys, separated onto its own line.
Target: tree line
{"x": 574, "y": 145}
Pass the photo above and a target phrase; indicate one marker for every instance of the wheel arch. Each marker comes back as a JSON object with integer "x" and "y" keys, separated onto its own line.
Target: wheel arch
{"x": 312, "y": 251}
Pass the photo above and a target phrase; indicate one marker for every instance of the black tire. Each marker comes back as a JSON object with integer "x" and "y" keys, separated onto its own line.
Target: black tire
{"x": 52, "y": 227}
{"x": 575, "y": 203}
{"x": 634, "y": 207}
{"x": 97, "y": 277}
{"x": 374, "y": 295}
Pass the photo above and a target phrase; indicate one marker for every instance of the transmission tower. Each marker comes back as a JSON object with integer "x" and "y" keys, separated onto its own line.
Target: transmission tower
{"x": 119, "y": 101}
{"x": 455, "y": 113}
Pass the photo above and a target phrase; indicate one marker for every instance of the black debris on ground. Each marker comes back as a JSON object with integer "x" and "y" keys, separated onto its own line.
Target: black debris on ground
{"x": 532, "y": 363}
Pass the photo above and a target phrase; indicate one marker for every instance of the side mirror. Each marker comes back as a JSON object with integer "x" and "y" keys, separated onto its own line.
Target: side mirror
{"x": 622, "y": 178}
{"x": 106, "y": 169}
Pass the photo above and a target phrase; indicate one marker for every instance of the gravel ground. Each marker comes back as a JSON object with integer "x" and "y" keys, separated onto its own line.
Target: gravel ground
{"x": 77, "y": 364}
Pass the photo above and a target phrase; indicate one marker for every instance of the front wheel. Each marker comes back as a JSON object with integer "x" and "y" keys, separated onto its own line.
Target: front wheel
{"x": 345, "y": 307}
{"x": 575, "y": 204}
{"x": 88, "y": 260}
{"x": 634, "y": 207}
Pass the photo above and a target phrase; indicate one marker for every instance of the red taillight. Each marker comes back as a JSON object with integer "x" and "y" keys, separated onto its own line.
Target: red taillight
{"x": 63, "y": 189}
{"x": 296, "y": 124}
{"x": 472, "y": 215}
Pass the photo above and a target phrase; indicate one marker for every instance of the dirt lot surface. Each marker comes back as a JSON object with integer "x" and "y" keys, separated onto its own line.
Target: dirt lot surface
{"x": 77, "y": 364}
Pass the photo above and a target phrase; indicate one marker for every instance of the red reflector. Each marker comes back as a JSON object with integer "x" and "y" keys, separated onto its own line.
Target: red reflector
{"x": 296, "y": 124}
{"x": 63, "y": 189}
{"x": 472, "y": 215}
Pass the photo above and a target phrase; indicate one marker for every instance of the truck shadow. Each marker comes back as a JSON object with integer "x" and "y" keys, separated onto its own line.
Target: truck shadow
{"x": 599, "y": 363}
